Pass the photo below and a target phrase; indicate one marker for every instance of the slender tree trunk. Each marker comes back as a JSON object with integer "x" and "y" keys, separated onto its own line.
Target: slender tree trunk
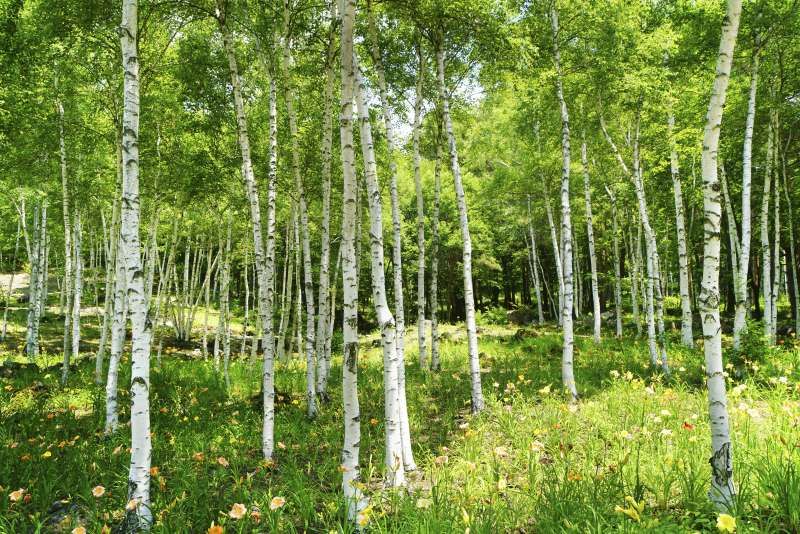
{"x": 590, "y": 238}
{"x": 286, "y": 297}
{"x": 617, "y": 273}
{"x": 423, "y": 355}
{"x": 556, "y": 255}
{"x": 117, "y": 335}
{"x": 139, "y": 475}
{"x": 397, "y": 256}
{"x": 32, "y": 331}
{"x": 469, "y": 304}
{"x": 108, "y": 295}
{"x": 391, "y": 361}
{"x": 224, "y": 306}
{"x": 308, "y": 273}
{"x": 534, "y": 262}
{"x": 567, "y": 374}
{"x": 766, "y": 265}
{"x": 687, "y": 337}
{"x": 740, "y": 320}
{"x": 262, "y": 267}
{"x": 722, "y": 488}
{"x": 776, "y": 249}
{"x": 356, "y": 501}
{"x": 323, "y": 356}
{"x": 437, "y": 188}
{"x": 245, "y": 323}
{"x": 67, "y": 215}
{"x": 78, "y": 286}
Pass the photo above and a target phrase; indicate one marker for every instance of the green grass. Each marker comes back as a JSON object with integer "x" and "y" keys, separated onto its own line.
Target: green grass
{"x": 529, "y": 463}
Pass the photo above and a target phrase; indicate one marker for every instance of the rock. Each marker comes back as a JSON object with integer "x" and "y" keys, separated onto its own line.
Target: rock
{"x": 522, "y": 315}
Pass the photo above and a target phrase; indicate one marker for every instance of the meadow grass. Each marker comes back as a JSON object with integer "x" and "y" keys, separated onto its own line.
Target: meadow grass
{"x": 630, "y": 457}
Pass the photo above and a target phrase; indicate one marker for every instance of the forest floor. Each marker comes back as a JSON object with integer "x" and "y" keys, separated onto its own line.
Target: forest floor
{"x": 630, "y": 457}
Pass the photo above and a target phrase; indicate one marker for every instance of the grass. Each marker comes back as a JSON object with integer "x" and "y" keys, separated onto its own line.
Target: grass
{"x": 528, "y": 463}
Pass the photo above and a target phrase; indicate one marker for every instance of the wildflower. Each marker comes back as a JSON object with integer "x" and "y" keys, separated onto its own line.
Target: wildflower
{"x": 237, "y": 511}
{"x": 441, "y": 460}
{"x": 501, "y": 452}
{"x": 545, "y": 390}
{"x": 132, "y": 504}
{"x": 783, "y": 380}
{"x": 281, "y": 445}
{"x": 98, "y": 491}
{"x": 154, "y": 471}
{"x": 215, "y": 529}
{"x": 634, "y": 509}
{"x": 373, "y": 422}
{"x": 199, "y": 457}
{"x": 47, "y": 454}
{"x": 628, "y": 376}
{"x": 276, "y": 502}
{"x": 362, "y": 519}
{"x": 537, "y": 446}
{"x": 223, "y": 462}
{"x": 614, "y": 373}
{"x": 666, "y": 432}
{"x": 423, "y": 503}
{"x": 16, "y": 495}
{"x": 79, "y": 530}
{"x": 687, "y": 426}
{"x": 738, "y": 390}
{"x": 726, "y": 523}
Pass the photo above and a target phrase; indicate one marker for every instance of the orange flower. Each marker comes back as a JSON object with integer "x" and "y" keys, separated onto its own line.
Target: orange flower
{"x": 373, "y": 422}
{"x": 98, "y": 491}
{"x": 198, "y": 457}
{"x": 237, "y": 511}
{"x": 16, "y": 495}
{"x": 255, "y": 516}
{"x": 277, "y": 502}
{"x": 154, "y": 471}
{"x": 215, "y": 529}
{"x": 222, "y": 461}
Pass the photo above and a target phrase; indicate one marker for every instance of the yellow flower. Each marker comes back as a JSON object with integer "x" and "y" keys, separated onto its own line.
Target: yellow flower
{"x": 98, "y": 491}
{"x": 237, "y": 511}
{"x": 726, "y": 523}
{"x": 362, "y": 519}
{"x": 634, "y": 509}
{"x": 222, "y": 461}
{"x": 47, "y": 454}
{"x": 545, "y": 390}
{"x": 215, "y": 529}
{"x": 78, "y": 530}
{"x": 16, "y": 495}
{"x": 276, "y": 502}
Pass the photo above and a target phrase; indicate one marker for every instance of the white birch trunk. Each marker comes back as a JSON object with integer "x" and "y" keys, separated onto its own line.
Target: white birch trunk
{"x": 534, "y": 261}
{"x": 139, "y": 474}
{"x": 78, "y": 286}
{"x": 766, "y": 265}
{"x": 466, "y": 239}
{"x": 117, "y": 335}
{"x": 351, "y": 477}
{"x": 418, "y": 98}
{"x": 325, "y": 307}
{"x": 397, "y": 256}
{"x": 776, "y": 249}
{"x": 32, "y": 331}
{"x": 590, "y": 238}
{"x": 617, "y": 273}
{"x": 722, "y": 488}
{"x": 224, "y": 306}
{"x": 567, "y": 374}
{"x": 687, "y": 337}
{"x": 391, "y": 360}
{"x": 264, "y": 288}
{"x": 556, "y": 255}
{"x": 436, "y": 364}
{"x": 11, "y": 281}
{"x": 792, "y": 254}
{"x": 65, "y": 208}
{"x": 740, "y": 319}
{"x": 286, "y": 297}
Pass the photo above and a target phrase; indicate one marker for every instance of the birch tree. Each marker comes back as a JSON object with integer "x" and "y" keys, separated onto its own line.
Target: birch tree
{"x": 423, "y": 356}
{"x": 466, "y": 240}
{"x": 437, "y": 190}
{"x": 590, "y": 238}
{"x": 617, "y": 273}
{"x": 355, "y": 500}
{"x": 567, "y": 374}
{"x": 687, "y": 337}
{"x": 766, "y": 254}
{"x": 78, "y": 285}
{"x": 139, "y": 473}
{"x": 722, "y": 488}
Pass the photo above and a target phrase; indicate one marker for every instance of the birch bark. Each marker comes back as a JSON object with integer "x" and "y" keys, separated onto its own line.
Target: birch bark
{"x": 766, "y": 265}
{"x": 687, "y": 337}
{"x": 356, "y": 501}
{"x": 567, "y": 374}
{"x": 466, "y": 239}
{"x": 722, "y": 487}
{"x": 617, "y": 273}
{"x": 534, "y": 262}
{"x": 437, "y": 189}
{"x": 78, "y": 286}
{"x": 590, "y": 238}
